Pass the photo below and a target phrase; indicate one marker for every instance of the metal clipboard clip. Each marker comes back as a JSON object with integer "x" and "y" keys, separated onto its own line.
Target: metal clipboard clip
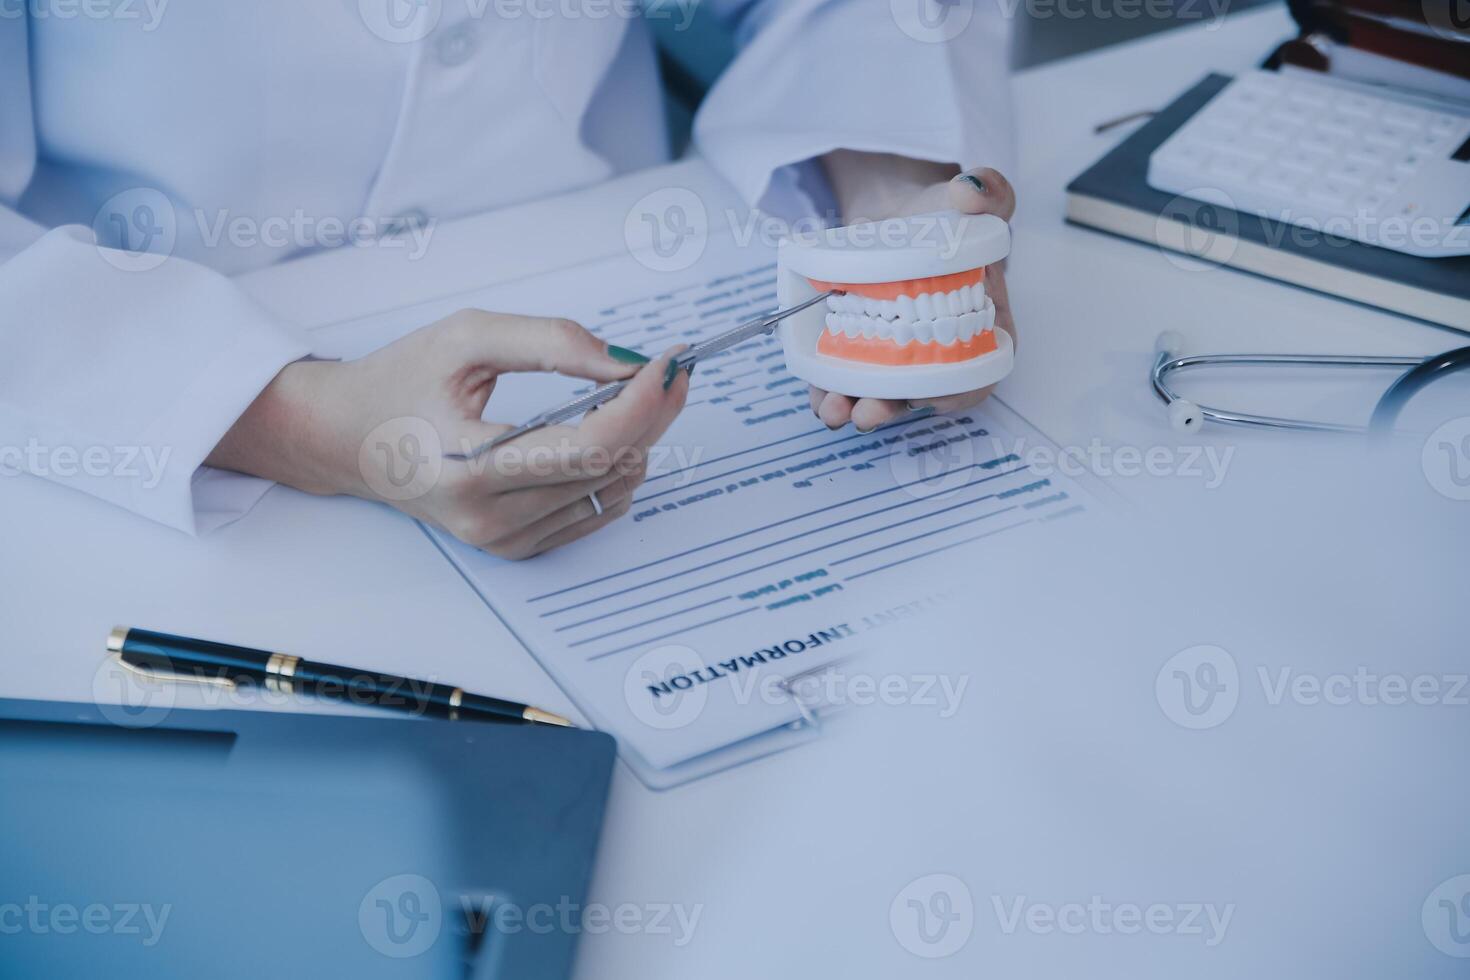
{"x": 807, "y": 692}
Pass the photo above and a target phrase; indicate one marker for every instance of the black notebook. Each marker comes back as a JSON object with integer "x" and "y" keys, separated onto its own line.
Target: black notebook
{"x": 1113, "y": 195}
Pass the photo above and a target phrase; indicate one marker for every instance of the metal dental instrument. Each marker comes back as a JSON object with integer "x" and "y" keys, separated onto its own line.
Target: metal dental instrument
{"x": 606, "y": 393}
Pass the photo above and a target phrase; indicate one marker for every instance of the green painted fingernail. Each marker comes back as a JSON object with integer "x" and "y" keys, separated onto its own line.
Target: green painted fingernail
{"x": 670, "y": 373}
{"x": 625, "y": 355}
{"x": 973, "y": 181}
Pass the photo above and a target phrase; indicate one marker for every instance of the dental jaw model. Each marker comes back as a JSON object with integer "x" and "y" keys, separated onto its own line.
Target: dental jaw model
{"x": 912, "y": 320}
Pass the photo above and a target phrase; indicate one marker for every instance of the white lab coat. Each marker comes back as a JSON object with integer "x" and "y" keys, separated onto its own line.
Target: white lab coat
{"x": 299, "y": 121}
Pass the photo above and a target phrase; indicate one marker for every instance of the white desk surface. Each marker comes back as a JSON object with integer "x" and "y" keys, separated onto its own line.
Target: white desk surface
{"x": 349, "y": 581}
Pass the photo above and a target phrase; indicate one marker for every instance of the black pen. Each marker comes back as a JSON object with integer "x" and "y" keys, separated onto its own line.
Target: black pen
{"x": 183, "y": 658}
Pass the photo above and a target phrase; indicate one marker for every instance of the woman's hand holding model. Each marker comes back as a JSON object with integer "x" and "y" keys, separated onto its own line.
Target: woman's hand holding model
{"x": 873, "y": 186}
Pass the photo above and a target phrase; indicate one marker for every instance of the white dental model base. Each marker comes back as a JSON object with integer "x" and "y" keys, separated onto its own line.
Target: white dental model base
{"x": 914, "y": 320}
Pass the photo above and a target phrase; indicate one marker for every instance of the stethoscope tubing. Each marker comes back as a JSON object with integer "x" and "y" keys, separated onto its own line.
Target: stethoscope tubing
{"x": 1167, "y": 363}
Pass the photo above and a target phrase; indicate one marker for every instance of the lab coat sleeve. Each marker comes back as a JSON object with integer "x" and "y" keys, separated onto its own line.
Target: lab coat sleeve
{"x": 120, "y": 383}
{"x": 116, "y": 380}
{"x": 812, "y": 76}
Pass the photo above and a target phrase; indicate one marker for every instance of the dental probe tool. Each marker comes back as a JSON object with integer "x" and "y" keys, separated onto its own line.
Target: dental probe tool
{"x": 606, "y": 393}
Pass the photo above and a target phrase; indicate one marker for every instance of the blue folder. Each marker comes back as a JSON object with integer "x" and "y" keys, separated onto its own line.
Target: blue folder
{"x": 269, "y": 844}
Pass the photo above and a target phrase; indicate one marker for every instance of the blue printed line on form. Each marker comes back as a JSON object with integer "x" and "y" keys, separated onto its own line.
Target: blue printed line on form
{"x": 798, "y": 556}
{"x": 649, "y": 622}
{"x": 935, "y": 551}
{"x": 779, "y": 394}
{"x": 926, "y": 534}
{"x": 743, "y": 452}
{"x": 775, "y": 524}
{"x": 765, "y": 462}
{"x": 665, "y": 636}
{"x": 751, "y": 551}
{"x": 646, "y": 622}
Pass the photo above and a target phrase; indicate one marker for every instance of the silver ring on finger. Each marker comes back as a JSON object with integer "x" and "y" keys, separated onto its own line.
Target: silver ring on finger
{"x": 596, "y": 504}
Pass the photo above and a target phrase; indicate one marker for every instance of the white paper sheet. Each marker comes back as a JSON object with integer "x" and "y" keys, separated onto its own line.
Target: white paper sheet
{"x": 762, "y": 545}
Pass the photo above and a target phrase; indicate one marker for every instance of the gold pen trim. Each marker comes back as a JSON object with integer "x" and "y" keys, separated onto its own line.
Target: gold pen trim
{"x": 119, "y": 636}
{"x": 280, "y": 672}
{"x": 545, "y": 717}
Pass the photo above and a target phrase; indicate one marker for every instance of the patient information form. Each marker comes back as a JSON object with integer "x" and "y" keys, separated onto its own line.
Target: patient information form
{"x": 760, "y": 538}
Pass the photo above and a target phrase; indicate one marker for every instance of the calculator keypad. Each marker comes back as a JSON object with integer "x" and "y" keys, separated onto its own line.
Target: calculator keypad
{"x": 1304, "y": 151}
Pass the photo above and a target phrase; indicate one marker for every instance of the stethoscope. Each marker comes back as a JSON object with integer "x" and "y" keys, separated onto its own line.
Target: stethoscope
{"x": 1187, "y": 416}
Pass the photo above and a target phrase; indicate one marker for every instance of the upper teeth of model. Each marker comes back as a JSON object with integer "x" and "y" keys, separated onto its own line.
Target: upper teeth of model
{"x": 944, "y": 317}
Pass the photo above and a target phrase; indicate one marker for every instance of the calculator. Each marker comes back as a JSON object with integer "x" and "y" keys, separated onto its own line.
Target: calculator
{"x": 1329, "y": 157}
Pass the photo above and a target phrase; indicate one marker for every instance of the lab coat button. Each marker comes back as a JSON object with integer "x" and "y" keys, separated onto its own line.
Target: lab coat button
{"x": 455, "y": 45}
